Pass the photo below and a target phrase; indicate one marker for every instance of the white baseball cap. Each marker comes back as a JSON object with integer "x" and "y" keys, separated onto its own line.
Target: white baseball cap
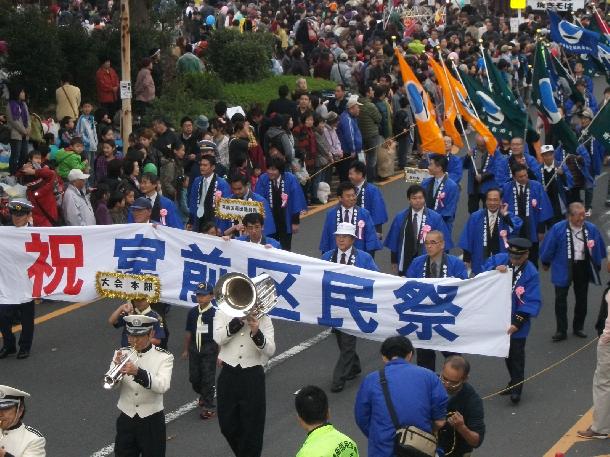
{"x": 547, "y": 148}
{"x": 353, "y": 101}
{"x": 345, "y": 228}
{"x": 76, "y": 174}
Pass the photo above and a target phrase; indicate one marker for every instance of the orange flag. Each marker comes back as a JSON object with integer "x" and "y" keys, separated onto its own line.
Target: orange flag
{"x": 468, "y": 115}
{"x": 450, "y": 108}
{"x": 423, "y": 109}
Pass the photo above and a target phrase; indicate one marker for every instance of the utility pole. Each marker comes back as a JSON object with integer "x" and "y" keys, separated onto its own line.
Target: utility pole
{"x": 125, "y": 89}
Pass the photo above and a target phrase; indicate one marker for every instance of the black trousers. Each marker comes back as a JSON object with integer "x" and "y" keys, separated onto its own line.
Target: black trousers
{"x": 285, "y": 240}
{"x": 349, "y": 363}
{"x": 202, "y": 372}
{"x": 242, "y": 408}
{"x": 580, "y": 280}
{"x": 534, "y": 254}
{"x": 136, "y": 436}
{"x": 474, "y": 200}
{"x": 516, "y": 363}
{"x": 9, "y": 315}
{"x": 427, "y": 358}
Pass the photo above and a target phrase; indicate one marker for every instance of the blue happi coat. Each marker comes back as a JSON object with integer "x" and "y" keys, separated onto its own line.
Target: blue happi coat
{"x": 585, "y": 169}
{"x": 530, "y": 301}
{"x": 487, "y": 172}
{"x": 540, "y": 208}
{"x": 362, "y": 259}
{"x": 368, "y": 242}
{"x": 446, "y": 206}
{"x": 265, "y": 240}
{"x": 473, "y": 240}
{"x": 554, "y": 252}
{"x": 455, "y": 267}
{"x": 296, "y": 199}
{"x": 172, "y": 219}
{"x": 269, "y": 227}
{"x": 373, "y": 203}
{"x": 394, "y": 239}
{"x": 194, "y": 194}
{"x": 455, "y": 167}
{"x": 503, "y": 172}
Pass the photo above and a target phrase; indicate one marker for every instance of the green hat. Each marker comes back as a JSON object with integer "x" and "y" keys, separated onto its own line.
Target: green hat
{"x": 150, "y": 168}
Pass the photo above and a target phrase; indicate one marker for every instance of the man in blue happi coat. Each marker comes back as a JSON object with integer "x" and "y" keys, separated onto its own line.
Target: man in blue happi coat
{"x": 162, "y": 210}
{"x": 241, "y": 191}
{"x": 526, "y": 303}
{"x": 204, "y": 192}
{"x": 517, "y": 154}
{"x": 577, "y": 175}
{"x": 442, "y": 194}
{"x": 253, "y": 232}
{"x": 574, "y": 250}
{"x": 455, "y": 165}
{"x": 347, "y": 211}
{"x": 481, "y": 168}
{"x": 405, "y": 239}
{"x": 528, "y": 200}
{"x": 368, "y": 196}
{"x": 285, "y": 196}
{"x": 553, "y": 179}
{"x": 346, "y": 253}
{"x": 435, "y": 264}
{"x": 488, "y": 230}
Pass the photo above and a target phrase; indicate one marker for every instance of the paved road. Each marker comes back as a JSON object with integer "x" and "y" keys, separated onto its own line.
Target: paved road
{"x": 71, "y": 352}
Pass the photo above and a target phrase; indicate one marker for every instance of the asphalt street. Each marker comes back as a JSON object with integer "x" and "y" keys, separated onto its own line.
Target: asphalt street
{"x": 72, "y": 351}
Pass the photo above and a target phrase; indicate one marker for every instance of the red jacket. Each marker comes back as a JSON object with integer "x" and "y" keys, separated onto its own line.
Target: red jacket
{"x": 105, "y": 81}
{"x": 41, "y": 194}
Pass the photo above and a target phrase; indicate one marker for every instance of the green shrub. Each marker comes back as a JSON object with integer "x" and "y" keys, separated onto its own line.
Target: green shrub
{"x": 240, "y": 57}
{"x": 204, "y": 86}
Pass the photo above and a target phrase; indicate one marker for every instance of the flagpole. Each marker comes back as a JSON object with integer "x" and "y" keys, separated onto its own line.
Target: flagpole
{"x": 527, "y": 117}
{"x": 485, "y": 65}
{"x": 457, "y": 72}
{"x": 459, "y": 115}
{"x": 586, "y": 129}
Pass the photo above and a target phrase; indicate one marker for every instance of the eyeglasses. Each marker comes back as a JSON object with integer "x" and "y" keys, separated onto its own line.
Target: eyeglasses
{"x": 449, "y": 383}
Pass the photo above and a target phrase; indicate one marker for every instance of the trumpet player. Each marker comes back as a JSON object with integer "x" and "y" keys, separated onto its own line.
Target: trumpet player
{"x": 146, "y": 377}
{"x": 246, "y": 344}
{"x": 139, "y": 306}
{"x": 17, "y": 439}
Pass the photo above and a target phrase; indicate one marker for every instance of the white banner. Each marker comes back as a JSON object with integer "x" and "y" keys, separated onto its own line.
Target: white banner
{"x": 567, "y": 5}
{"x": 61, "y": 263}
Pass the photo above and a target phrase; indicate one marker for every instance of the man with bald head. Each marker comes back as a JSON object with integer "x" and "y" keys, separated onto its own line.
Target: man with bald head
{"x": 574, "y": 250}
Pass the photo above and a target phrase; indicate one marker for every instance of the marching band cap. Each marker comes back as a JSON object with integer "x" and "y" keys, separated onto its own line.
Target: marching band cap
{"x": 138, "y": 324}
{"x": 20, "y": 206}
{"x": 141, "y": 203}
{"x": 547, "y": 148}
{"x": 345, "y": 228}
{"x": 9, "y": 396}
{"x": 204, "y": 288}
{"x": 519, "y": 245}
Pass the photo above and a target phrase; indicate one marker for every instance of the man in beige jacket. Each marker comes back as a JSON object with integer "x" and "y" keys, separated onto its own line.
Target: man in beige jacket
{"x": 67, "y": 98}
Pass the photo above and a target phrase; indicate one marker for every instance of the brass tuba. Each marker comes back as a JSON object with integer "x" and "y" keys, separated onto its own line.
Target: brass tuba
{"x": 239, "y": 296}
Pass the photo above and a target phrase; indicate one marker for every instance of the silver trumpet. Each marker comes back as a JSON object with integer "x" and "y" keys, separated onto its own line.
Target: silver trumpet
{"x": 113, "y": 376}
{"x": 239, "y": 296}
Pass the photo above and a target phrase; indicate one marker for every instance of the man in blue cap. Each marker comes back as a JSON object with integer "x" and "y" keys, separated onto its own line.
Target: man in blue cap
{"x": 17, "y": 439}
{"x": 201, "y": 349}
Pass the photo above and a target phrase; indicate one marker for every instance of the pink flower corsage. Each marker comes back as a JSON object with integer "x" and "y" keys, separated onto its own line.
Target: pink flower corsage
{"x": 503, "y": 235}
{"x": 284, "y": 199}
{"x": 534, "y": 203}
{"x": 361, "y": 225}
{"x": 163, "y": 213}
{"x": 591, "y": 244}
{"x": 519, "y": 291}
{"x": 425, "y": 230}
{"x": 217, "y": 195}
{"x": 441, "y": 198}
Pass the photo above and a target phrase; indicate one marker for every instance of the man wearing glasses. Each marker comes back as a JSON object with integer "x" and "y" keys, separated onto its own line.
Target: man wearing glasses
{"x": 465, "y": 426}
{"x": 435, "y": 264}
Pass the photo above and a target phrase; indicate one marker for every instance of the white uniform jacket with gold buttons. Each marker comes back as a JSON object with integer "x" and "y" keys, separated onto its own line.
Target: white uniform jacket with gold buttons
{"x": 145, "y": 397}
{"x": 23, "y": 441}
{"x": 239, "y": 349}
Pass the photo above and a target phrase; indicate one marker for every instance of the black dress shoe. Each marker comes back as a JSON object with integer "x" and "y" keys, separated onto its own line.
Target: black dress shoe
{"x": 337, "y": 388}
{"x": 23, "y": 354}
{"x": 559, "y": 336}
{"x": 515, "y": 398}
{"x": 5, "y": 352}
{"x": 579, "y": 334}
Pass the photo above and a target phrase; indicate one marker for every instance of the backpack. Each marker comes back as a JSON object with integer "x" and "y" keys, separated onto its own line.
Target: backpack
{"x": 276, "y": 142}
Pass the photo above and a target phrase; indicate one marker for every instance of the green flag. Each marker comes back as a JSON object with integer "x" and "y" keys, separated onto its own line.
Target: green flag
{"x": 543, "y": 97}
{"x": 502, "y": 118}
{"x": 600, "y": 127}
{"x": 562, "y": 72}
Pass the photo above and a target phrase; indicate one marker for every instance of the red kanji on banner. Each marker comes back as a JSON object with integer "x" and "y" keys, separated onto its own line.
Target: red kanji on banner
{"x": 41, "y": 268}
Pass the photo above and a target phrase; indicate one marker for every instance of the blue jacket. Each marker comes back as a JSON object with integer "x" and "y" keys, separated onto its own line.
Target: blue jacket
{"x": 488, "y": 173}
{"x": 194, "y": 194}
{"x": 455, "y": 267}
{"x": 363, "y": 259}
{"x": 530, "y": 301}
{"x": 585, "y": 169}
{"x": 171, "y": 220}
{"x": 296, "y": 199}
{"x": 417, "y": 394}
{"x": 349, "y": 134}
{"x": 540, "y": 211}
{"x": 502, "y": 170}
{"x": 369, "y": 241}
{"x": 266, "y": 240}
{"x": 373, "y": 203}
{"x": 554, "y": 252}
{"x": 455, "y": 167}
{"x": 446, "y": 206}
{"x": 268, "y": 229}
{"x": 472, "y": 238}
